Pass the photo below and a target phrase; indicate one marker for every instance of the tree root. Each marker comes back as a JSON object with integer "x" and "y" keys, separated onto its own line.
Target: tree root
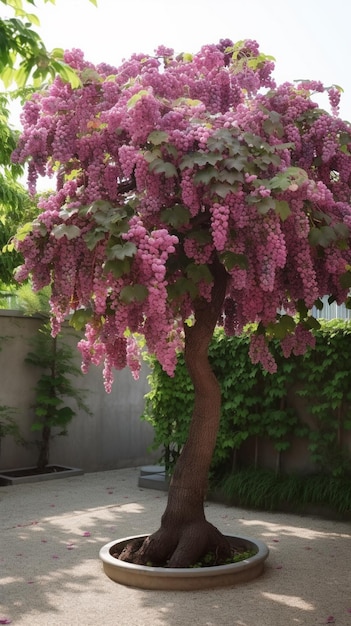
{"x": 177, "y": 547}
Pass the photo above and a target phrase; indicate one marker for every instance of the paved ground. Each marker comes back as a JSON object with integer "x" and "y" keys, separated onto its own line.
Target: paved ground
{"x": 51, "y": 534}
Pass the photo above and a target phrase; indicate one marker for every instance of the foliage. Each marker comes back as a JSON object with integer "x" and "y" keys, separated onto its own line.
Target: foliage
{"x": 168, "y": 165}
{"x": 25, "y": 61}
{"x": 264, "y": 489}
{"x": 8, "y": 425}
{"x": 14, "y": 199}
{"x": 325, "y": 385}
{"x": 211, "y": 559}
{"x": 258, "y": 406}
{"x": 56, "y": 384}
{"x": 8, "y": 140}
{"x": 23, "y": 54}
{"x": 34, "y": 303}
{"x": 168, "y": 407}
{"x": 16, "y": 208}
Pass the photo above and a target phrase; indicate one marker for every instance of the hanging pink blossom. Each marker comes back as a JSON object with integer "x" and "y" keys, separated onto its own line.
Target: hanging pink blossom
{"x": 167, "y": 164}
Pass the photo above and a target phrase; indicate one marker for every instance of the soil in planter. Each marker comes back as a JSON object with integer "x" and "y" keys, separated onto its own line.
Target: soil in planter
{"x": 34, "y": 471}
{"x": 238, "y": 553}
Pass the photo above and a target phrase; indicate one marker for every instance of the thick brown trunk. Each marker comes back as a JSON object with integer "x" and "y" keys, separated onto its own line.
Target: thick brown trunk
{"x": 185, "y": 535}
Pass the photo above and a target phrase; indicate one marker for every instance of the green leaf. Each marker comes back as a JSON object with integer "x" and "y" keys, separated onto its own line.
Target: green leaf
{"x": 271, "y": 126}
{"x": 151, "y": 155}
{"x": 282, "y": 208}
{"x": 319, "y": 304}
{"x": 202, "y": 159}
{"x": 186, "y": 101}
{"x": 118, "y": 268}
{"x": 288, "y": 323}
{"x": 345, "y": 280}
{"x": 312, "y": 323}
{"x": 323, "y": 236}
{"x": 231, "y": 259}
{"x": 292, "y": 175}
{"x": 302, "y": 309}
{"x": 120, "y": 251}
{"x": 163, "y": 167}
{"x": 230, "y": 177}
{"x": 92, "y": 237}
{"x": 133, "y": 293}
{"x": 265, "y": 204}
{"x": 181, "y": 286}
{"x": 341, "y": 230}
{"x": 205, "y": 176}
{"x": 196, "y": 273}
{"x": 69, "y": 75}
{"x": 177, "y": 215}
{"x": 57, "y": 53}
{"x": 137, "y": 96}
{"x": 80, "y": 318}
{"x": 157, "y": 137}
{"x": 201, "y": 236}
{"x": 238, "y": 163}
{"x": 23, "y": 231}
{"x": 222, "y": 189}
{"x": 283, "y": 326}
{"x": 65, "y": 230}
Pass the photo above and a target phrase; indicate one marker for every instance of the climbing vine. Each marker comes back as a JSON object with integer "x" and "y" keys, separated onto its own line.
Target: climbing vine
{"x": 257, "y": 405}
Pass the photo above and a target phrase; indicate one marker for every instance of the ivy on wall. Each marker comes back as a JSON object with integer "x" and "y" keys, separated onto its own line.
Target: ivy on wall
{"x": 257, "y": 406}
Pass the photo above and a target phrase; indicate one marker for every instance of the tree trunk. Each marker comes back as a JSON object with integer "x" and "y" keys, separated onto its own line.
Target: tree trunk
{"x": 185, "y": 535}
{"x": 44, "y": 445}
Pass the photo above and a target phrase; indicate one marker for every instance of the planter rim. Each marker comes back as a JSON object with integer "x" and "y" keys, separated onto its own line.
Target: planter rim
{"x": 65, "y": 472}
{"x": 184, "y": 572}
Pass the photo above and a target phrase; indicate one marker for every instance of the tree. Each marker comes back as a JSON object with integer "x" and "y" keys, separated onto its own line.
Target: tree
{"x": 15, "y": 203}
{"x": 55, "y": 358}
{"x": 191, "y": 191}
{"x": 25, "y": 62}
{"x": 23, "y": 54}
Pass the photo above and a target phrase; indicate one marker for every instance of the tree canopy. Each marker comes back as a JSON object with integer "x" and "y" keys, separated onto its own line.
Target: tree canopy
{"x": 23, "y": 54}
{"x": 25, "y": 65}
{"x": 168, "y": 166}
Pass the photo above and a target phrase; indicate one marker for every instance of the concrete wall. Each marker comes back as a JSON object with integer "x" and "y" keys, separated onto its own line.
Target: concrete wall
{"x": 113, "y": 436}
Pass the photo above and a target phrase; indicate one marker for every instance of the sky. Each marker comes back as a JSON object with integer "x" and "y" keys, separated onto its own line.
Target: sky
{"x": 310, "y": 39}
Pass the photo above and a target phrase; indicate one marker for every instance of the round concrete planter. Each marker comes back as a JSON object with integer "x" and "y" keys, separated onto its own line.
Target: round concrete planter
{"x": 184, "y": 579}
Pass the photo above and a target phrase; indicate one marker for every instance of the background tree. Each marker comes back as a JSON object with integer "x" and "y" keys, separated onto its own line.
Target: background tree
{"x": 23, "y": 54}
{"x": 191, "y": 191}
{"x": 56, "y": 389}
{"x": 25, "y": 65}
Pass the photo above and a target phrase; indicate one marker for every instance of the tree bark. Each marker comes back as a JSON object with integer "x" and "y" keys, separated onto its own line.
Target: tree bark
{"x": 44, "y": 445}
{"x": 185, "y": 535}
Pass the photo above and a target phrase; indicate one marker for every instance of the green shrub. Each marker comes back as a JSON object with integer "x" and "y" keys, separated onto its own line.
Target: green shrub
{"x": 264, "y": 489}
{"x": 257, "y": 406}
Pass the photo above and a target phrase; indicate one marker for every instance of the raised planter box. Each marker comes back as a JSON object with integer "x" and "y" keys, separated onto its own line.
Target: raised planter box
{"x": 33, "y": 475}
{"x": 187, "y": 578}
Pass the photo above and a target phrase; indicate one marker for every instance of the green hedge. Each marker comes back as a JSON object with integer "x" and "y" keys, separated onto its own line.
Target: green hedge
{"x": 258, "y": 407}
{"x": 264, "y": 489}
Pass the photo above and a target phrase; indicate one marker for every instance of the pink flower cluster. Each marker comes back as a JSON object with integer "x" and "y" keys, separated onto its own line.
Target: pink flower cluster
{"x": 167, "y": 164}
